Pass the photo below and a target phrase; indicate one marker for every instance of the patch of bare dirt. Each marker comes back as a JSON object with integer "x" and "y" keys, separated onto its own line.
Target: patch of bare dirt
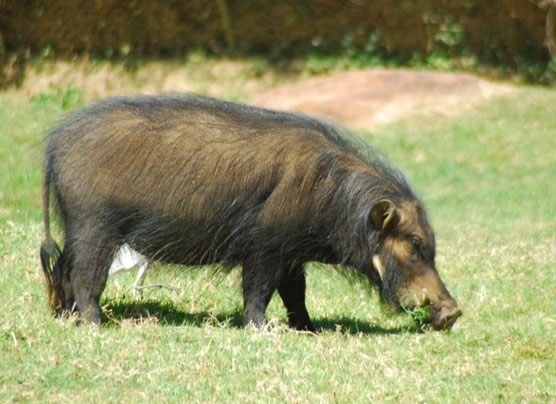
{"x": 359, "y": 99}
{"x": 368, "y": 99}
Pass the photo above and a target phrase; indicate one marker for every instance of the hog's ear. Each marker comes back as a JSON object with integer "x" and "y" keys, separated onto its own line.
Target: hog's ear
{"x": 382, "y": 214}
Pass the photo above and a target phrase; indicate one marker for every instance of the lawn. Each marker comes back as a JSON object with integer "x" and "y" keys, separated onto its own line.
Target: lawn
{"x": 487, "y": 176}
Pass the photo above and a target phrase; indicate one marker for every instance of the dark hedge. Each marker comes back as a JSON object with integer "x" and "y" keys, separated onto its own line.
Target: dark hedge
{"x": 512, "y": 33}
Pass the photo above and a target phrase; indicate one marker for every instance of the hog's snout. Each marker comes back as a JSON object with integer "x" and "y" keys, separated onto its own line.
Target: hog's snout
{"x": 445, "y": 318}
{"x": 428, "y": 290}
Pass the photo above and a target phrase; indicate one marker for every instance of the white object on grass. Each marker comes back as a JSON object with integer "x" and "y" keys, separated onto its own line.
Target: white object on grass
{"x": 126, "y": 259}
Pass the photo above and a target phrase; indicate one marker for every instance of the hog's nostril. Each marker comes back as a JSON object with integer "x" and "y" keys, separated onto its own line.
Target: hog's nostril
{"x": 447, "y": 317}
{"x": 453, "y": 316}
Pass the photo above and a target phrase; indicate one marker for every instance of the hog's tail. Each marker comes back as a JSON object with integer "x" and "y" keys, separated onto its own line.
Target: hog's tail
{"x": 52, "y": 267}
{"x": 51, "y": 255}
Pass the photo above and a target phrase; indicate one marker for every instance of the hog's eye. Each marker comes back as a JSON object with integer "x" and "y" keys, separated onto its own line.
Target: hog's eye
{"x": 417, "y": 246}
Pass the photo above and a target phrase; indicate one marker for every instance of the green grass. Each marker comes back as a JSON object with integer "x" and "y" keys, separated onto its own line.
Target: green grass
{"x": 488, "y": 179}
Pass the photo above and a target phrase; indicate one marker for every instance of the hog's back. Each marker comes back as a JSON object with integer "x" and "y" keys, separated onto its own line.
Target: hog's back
{"x": 184, "y": 157}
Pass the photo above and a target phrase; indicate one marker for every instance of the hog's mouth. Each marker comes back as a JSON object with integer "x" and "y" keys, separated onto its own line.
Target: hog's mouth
{"x": 437, "y": 310}
{"x": 440, "y": 319}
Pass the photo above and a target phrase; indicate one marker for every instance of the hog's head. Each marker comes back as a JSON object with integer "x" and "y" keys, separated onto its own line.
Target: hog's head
{"x": 403, "y": 261}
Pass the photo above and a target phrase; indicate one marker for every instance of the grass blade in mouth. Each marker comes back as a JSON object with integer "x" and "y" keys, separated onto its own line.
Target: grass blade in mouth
{"x": 421, "y": 317}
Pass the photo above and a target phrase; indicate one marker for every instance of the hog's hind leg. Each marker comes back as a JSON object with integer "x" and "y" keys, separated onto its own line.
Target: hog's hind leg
{"x": 92, "y": 253}
{"x": 68, "y": 299}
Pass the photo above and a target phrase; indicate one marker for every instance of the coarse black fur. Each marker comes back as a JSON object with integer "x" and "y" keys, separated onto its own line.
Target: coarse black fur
{"x": 194, "y": 181}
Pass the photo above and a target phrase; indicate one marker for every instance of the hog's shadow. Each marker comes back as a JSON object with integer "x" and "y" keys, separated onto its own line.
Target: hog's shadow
{"x": 168, "y": 315}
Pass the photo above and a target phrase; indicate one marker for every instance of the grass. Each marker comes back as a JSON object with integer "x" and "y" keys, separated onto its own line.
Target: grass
{"x": 487, "y": 178}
